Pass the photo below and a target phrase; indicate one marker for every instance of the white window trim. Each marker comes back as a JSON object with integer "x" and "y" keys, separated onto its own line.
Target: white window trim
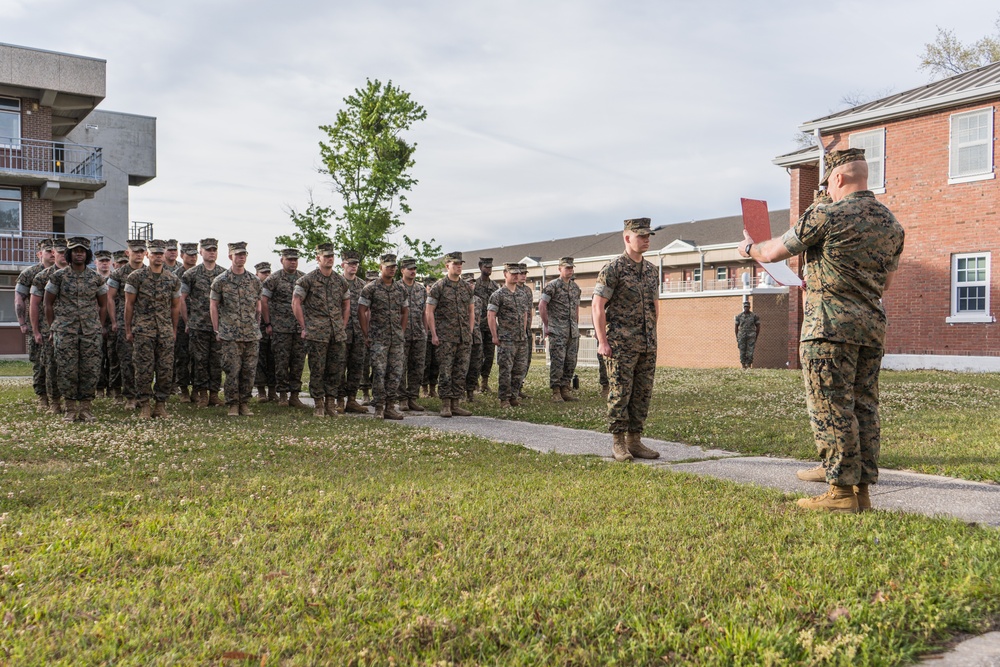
{"x": 16, "y": 140}
{"x": 879, "y": 188}
{"x": 20, "y": 213}
{"x": 969, "y": 178}
{"x": 970, "y": 318}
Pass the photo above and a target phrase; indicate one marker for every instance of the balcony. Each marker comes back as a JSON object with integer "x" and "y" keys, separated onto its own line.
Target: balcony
{"x": 64, "y": 173}
{"x": 735, "y": 284}
{"x": 21, "y": 249}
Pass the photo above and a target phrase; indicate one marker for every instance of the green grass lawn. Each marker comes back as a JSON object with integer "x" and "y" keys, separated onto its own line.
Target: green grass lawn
{"x": 15, "y": 368}
{"x": 283, "y": 540}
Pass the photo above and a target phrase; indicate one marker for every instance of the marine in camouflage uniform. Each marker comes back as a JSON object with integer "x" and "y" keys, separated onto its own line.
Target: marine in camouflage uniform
{"x": 559, "y": 307}
{"x": 852, "y": 248}
{"x": 264, "y": 378}
{"x": 450, "y": 319}
{"x": 355, "y": 352}
{"x": 415, "y": 336}
{"x": 366, "y": 365}
{"x": 116, "y": 296}
{"x": 505, "y": 318}
{"x": 102, "y": 262}
{"x": 626, "y": 302}
{"x": 322, "y": 305}
{"x": 476, "y": 350}
{"x": 22, "y": 301}
{"x": 383, "y": 310}
{"x": 206, "y": 349}
{"x": 75, "y": 301}
{"x": 484, "y": 288}
{"x": 120, "y": 259}
{"x": 286, "y": 339}
{"x": 747, "y": 327}
{"x": 235, "y": 295}
{"x": 182, "y": 342}
{"x": 40, "y": 325}
{"x": 152, "y": 312}
{"x": 432, "y": 368}
{"x": 526, "y": 297}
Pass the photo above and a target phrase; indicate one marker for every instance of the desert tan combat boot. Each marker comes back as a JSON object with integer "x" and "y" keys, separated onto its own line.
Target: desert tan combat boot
{"x": 556, "y": 395}
{"x": 636, "y": 447}
{"x": 70, "y": 415}
{"x": 864, "y": 499}
{"x": 272, "y": 394}
{"x": 85, "y": 412}
{"x": 470, "y": 396}
{"x": 131, "y": 404}
{"x": 445, "y": 407}
{"x": 379, "y": 412}
{"x": 331, "y": 406}
{"x": 425, "y": 390}
{"x": 215, "y": 399}
{"x": 262, "y": 394}
{"x": 145, "y": 411}
{"x": 294, "y": 402}
{"x": 320, "y": 409}
{"x": 202, "y": 397}
{"x": 244, "y": 410}
{"x": 391, "y": 412}
{"x": 458, "y": 410}
{"x": 160, "y": 410}
{"x": 839, "y": 499}
{"x": 185, "y": 395}
{"x": 484, "y": 387}
{"x": 234, "y": 410}
{"x": 354, "y": 407}
{"x": 55, "y": 406}
{"x": 514, "y": 402}
{"x": 341, "y": 405}
{"x": 817, "y": 474}
{"x": 566, "y": 396}
{"x": 366, "y": 398}
{"x": 283, "y": 399}
{"x": 619, "y": 449}
{"x": 414, "y": 406}
{"x": 43, "y": 402}
{"x": 504, "y": 404}
{"x": 432, "y": 391}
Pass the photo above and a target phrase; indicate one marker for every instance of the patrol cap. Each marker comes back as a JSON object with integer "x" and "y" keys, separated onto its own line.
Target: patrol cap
{"x": 262, "y": 266}
{"x": 486, "y": 261}
{"x": 371, "y": 275}
{"x": 522, "y": 267}
{"x": 566, "y": 261}
{"x": 156, "y": 246}
{"x": 45, "y": 244}
{"x": 289, "y": 253}
{"x": 136, "y": 244}
{"x": 639, "y": 226}
{"x": 407, "y": 263}
{"x": 189, "y": 248}
{"x": 511, "y": 268}
{"x": 170, "y": 244}
{"x": 119, "y": 256}
{"x": 350, "y": 257}
{"x": 454, "y": 257}
{"x": 238, "y": 248}
{"x": 834, "y": 159}
{"x": 387, "y": 259}
{"x": 77, "y": 242}
{"x": 102, "y": 254}
{"x": 210, "y": 244}
{"x": 325, "y": 250}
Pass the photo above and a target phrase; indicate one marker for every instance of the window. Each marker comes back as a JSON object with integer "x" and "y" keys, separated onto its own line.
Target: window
{"x": 10, "y": 210}
{"x": 970, "y": 288}
{"x": 971, "y": 146}
{"x": 10, "y": 122}
{"x": 721, "y": 274}
{"x": 874, "y": 144}
{"x": 696, "y": 275}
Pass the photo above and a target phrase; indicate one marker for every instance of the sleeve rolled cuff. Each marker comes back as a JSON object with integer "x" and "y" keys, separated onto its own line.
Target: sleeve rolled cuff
{"x": 185, "y": 289}
{"x": 37, "y": 291}
{"x": 177, "y": 294}
{"x": 51, "y": 288}
{"x": 603, "y": 291}
{"x": 215, "y": 296}
{"x": 299, "y": 292}
{"x": 545, "y": 297}
{"x": 23, "y": 290}
{"x": 266, "y": 292}
{"x": 492, "y": 308}
{"x": 129, "y": 289}
{"x": 792, "y": 243}
{"x": 114, "y": 283}
{"x": 431, "y": 301}
{"x": 362, "y": 301}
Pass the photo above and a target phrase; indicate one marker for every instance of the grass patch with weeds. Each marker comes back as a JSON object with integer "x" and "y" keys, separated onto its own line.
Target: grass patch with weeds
{"x": 15, "y": 368}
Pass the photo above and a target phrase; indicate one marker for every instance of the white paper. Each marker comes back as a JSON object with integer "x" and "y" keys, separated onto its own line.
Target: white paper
{"x": 782, "y": 274}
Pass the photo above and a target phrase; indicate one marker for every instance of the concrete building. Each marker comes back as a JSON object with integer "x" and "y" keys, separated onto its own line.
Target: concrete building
{"x": 56, "y": 177}
{"x": 931, "y": 153}
{"x": 703, "y": 282}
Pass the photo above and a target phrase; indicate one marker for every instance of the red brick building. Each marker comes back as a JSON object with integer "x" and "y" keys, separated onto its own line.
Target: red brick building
{"x": 931, "y": 156}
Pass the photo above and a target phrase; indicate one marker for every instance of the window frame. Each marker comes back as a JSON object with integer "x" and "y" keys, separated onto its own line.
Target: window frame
{"x": 958, "y": 316}
{"x": 954, "y": 148}
{"x": 857, "y": 140}
{"x": 16, "y": 114}
{"x": 20, "y": 210}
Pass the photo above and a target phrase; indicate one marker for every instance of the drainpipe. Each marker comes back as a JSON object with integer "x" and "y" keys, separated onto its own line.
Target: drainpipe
{"x": 822, "y": 154}
{"x": 701, "y": 266}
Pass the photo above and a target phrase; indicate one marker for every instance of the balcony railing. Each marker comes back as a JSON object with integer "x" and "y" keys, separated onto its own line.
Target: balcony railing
{"x": 22, "y": 248}
{"x": 682, "y": 286}
{"x": 50, "y": 157}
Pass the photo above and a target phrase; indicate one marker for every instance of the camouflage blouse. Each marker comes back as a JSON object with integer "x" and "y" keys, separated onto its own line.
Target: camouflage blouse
{"x": 631, "y": 289}
{"x": 278, "y": 289}
{"x": 117, "y": 282}
{"x": 154, "y": 296}
{"x": 354, "y": 332}
{"x": 237, "y": 294}
{"x": 38, "y": 284}
{"x": 747, "y": 323}
{"x": 386, "y": 304}
{"x": 526, "y": 298}
{"x": 451, "y": 299}
{"x": 417, "y": 298}
{"x": 563, "y": 304}
{"x": 196, "y": 286}
{"x": 76, "y": 308}
{"x": 322, "y": 302}
{"x": 510, "y": 315}
{"x": 484, "y": 288}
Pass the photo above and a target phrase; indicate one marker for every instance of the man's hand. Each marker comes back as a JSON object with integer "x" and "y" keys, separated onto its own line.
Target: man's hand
{"x": 38, "y": 338}
{"x": 24, "y": 329}
{"x": 129, "y": 337}
{"x": 743, "y": 245}
{"x": 303, "y": 336}
{"x": 114, "y": 326}
{"x": 604, "y": 350}
{"x": 435, "y": 340}
{"x": 496, "y": 340}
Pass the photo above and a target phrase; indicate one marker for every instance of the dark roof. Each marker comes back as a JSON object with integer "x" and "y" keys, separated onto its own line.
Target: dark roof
{"x": 604, "y": 244}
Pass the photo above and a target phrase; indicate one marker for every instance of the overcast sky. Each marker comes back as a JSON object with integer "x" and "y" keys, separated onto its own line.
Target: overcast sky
{"x": 545, "y": 119}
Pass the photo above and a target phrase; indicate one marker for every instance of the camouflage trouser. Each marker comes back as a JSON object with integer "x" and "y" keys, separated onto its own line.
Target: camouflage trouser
{"x": 239, "y": 360}
{"x": 432, "y": 367}
{"x": 182, "y": 358}
{"x": 326, "y": 364}
{"x": 78, "y": 364}
{"x": 562, "y": 360}
{"x": 630, "y": 375}
{"x": 125, "y": 365}
{"x": 206, "y": 360}
{"x": 104, "y": 377}
{"x": 153, "y": 355}
{"x": 49, "y": 360}
{"x": 511, "y": 362}
{"x": 115, "y": 370}
{"x": 37, "y": 366}
{"x": 842, "y": 399}
{"x": 746, "y": 345}
{"x": 355, "y": 355}
{"x": 526, "y": 344}
{"x": 366, "y": 368}
{"x": 489, "y": 350}
{"x": 264, "y": 374}
{"x": 602, "y": 371}
{"x": 387, "y": 371}
{"x": 415, "y": 351}
{"x": 453, "y": 360}
{"x": 475, "y": 363}
{"x": 289, "y": 358}
{"x": 531, "y": 349}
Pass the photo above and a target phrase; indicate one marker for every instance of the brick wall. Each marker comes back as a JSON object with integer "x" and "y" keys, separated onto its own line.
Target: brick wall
{"x": 36, "y": 214}
{"x": 36, "y": 123}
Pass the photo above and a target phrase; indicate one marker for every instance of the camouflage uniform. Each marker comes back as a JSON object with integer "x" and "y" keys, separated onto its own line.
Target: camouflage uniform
{"x": 152, "y": 330}
{"x": 47, "y": 351}
{"x": 451, "y": 301}
{"x": 476, "y": 349}
{"x": 851, "y": 246}
{"x": 746, "y": 336}
{"x": 355, "y": 352}
{"x": 237, "y": 295}
{"x": 386, "y": 307}
{"x": 415, "y": 342}
{"x": 631, "y": 289}
{"x": 511, "y": 352}
{"x": 126, "y": 367}
{"x": 562, "y": 300}
{"x": 484, "y": 288}
{"x": 23, "y": 287}
{"x": 77, "y": 330}
{"x": 366, "y": 363}
{"x": 206, "y": 355}
{"x": 526, "y": 299}
{"x": 286, "y": 340}
{"x": 182, "y": 349}
{"x": 322, "y": 302}
{"x": 264, "y": 376}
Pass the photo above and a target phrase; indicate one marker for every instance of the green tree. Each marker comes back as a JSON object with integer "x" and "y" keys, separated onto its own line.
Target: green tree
{"x": 313, "y": 227}
{"x": 947, "y": 55}
{"x": 428, "y": 256}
